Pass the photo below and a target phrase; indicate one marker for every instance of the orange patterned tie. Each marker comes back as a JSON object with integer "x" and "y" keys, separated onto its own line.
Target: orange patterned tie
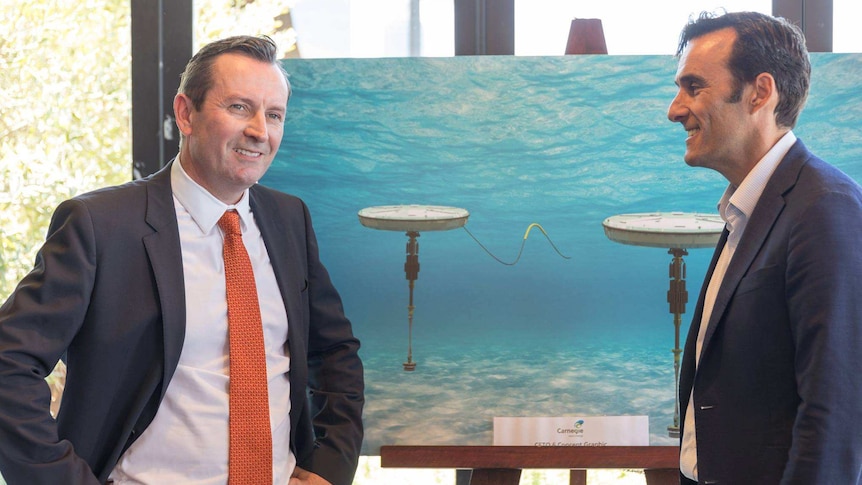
{"x": 250, "y": 456}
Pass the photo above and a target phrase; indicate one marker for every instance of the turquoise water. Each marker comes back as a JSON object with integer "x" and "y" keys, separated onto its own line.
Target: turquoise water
{"x": 561, "y": 141}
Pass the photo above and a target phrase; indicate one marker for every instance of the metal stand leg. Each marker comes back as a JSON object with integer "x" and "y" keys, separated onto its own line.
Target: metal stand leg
{"x": 677, "y": 296}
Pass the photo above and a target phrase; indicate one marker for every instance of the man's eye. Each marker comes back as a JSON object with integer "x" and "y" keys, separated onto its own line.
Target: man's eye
{"x": 275, "y": 116}
{"x": 237, "y": 107}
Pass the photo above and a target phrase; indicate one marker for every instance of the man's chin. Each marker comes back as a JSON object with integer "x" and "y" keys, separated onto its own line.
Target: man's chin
{"x": 693, "y": 161}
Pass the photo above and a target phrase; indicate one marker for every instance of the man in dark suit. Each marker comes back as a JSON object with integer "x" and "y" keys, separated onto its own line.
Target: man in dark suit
{"x": 771, "y": 382}
{"x": 129, "y": 289}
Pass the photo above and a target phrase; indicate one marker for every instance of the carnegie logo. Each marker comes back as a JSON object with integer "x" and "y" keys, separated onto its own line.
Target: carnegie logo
{"x": 577, "y": 428}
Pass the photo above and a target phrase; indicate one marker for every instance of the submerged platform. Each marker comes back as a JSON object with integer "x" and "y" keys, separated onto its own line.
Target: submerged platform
{"x": 665, "y": 229}
{"x": 418, "y": 218}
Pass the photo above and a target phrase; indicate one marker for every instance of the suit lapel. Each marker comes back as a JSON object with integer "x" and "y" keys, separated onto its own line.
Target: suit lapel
{"x": 757, "y": 230}
{"x": 282, "y": 247}
{"x": 165, "y": 254}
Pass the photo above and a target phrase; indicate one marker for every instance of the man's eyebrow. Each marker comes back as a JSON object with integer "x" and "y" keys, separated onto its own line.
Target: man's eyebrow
{"x": 237, "y": 98}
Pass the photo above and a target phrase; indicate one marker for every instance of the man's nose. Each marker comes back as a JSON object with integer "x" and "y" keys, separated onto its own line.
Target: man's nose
{"x": 677, "y": 111}
{"x": 257, "y": 127}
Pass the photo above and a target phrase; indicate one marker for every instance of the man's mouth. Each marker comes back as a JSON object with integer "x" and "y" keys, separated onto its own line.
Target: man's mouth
{"x": 247, "y": 153}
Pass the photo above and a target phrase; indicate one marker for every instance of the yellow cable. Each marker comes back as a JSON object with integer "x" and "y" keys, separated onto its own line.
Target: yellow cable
{"x": 523, "y": 243}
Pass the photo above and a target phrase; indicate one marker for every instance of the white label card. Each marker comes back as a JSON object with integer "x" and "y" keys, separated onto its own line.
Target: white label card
{"x": 572, "y": 431}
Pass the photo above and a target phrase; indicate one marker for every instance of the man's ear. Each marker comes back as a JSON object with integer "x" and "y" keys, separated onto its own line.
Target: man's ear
{"x": 183, "y": 109}
{"x": 764, "y": 92}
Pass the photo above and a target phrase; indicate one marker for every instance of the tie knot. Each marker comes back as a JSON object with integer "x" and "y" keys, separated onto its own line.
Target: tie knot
{"x": 229, "y": 222}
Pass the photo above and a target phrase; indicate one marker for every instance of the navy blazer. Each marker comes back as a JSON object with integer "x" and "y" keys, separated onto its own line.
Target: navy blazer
{"x": 778, "y": 391}
{"x": 107, "y": 295}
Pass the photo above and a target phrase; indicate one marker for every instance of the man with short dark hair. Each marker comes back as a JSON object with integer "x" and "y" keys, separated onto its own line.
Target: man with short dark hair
{"x": 770, "y": 386}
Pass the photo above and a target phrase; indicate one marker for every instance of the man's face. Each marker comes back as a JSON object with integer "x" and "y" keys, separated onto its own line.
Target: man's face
{"x": 719, "y": 131}
{"x": 231, "y": 142}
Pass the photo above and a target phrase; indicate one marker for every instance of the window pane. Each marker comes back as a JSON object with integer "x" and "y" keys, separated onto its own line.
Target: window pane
{"x": 630, "y": 26}
{"x": 846, "y": 36}
{"x": 374, "y": 28}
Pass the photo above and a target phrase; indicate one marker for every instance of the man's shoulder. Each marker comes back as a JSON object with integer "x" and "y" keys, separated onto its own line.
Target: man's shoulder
{"x": 123, "y": 190}
{"x": 814, "y": 174}
{"x": 819, "y": 175}
{"x": 122, "y": 204}
{"x": 127, "y": 190}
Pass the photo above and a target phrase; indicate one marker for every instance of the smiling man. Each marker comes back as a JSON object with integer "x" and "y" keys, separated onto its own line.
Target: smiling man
{"x": 770, "y": 386}
{"x": 203, "y": 338}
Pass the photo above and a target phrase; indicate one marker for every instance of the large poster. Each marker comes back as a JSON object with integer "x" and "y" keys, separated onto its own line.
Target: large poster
{"x": 528, "y": 309}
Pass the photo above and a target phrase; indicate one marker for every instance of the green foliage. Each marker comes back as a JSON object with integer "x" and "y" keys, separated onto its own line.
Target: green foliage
{"x": 64, "y": 122}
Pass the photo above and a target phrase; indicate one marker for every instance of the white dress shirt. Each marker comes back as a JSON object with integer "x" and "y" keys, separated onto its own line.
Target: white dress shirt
{"x": 187, "y": 441}
{"x": 735, "y": 208}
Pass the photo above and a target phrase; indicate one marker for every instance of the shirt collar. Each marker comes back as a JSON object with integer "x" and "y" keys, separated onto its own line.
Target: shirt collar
{"x": 745, "y": 197}
{"x": 203, "y": 207}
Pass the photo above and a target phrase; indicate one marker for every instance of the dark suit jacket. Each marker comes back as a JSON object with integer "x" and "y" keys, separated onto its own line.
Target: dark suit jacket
{"x": 107, "y": 294}
{"x": 778, "y": 392}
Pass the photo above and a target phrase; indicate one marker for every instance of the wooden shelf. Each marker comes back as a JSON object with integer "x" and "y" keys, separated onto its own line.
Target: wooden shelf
{"x": 501, "y": 465}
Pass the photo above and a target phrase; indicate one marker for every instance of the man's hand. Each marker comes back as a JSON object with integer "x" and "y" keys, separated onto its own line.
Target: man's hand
{"x": 305, "y": 477}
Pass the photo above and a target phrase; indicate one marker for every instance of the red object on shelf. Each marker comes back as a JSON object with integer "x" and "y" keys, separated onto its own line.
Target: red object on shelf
{"x": 586, "y": 36}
